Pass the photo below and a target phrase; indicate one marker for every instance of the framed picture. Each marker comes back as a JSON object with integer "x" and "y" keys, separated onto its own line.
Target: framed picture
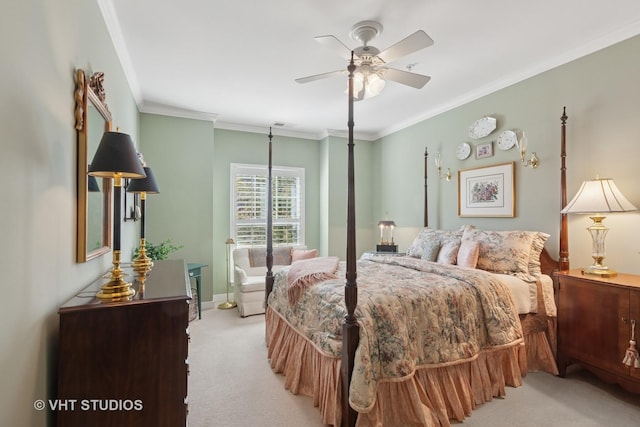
{"x": 484, "y": 150}
{"x": 487, "y": 191}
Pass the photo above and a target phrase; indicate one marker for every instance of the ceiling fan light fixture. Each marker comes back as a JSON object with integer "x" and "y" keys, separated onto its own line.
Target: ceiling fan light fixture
{"x": 374, "y": 85}
{"x": 367, "y": 80}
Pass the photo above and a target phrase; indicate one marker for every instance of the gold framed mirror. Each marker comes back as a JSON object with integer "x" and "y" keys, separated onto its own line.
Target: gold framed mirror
{"x": 93, "y": 118}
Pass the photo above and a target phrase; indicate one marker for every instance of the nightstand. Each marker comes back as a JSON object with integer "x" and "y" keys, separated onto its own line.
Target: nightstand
{"x": 194, "y": 271}
{"x": 371, "y": 254}
{"x": 594, "y": 324}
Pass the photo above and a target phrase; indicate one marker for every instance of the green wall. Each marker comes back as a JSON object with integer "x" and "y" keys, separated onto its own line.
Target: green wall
{"x": 601, "y": 93}
{"x": 180, "y": 153}
{"x": 191, "y": 161}
{"x": 43, "y": 42}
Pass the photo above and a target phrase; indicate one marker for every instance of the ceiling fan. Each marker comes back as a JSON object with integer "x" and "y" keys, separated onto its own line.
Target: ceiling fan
{"x": 371, "y": 70}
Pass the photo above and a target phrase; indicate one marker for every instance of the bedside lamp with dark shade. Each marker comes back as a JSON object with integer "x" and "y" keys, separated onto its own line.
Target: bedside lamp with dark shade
{"x": 595, "y": 197}
{"x": 141, "y": 264}
{"x": 116, "y": 158}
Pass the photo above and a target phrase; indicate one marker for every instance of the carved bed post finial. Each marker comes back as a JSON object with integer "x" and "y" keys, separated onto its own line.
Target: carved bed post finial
{"x": 563, "y": 256}
{"x": 426, "y": 200}
{"x": 269, "y": 277}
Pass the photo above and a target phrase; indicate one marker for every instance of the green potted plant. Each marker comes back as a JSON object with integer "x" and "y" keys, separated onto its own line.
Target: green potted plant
{"x": 158, "y": 251}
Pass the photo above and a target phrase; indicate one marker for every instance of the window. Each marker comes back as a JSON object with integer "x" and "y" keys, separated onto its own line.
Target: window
{"x": 249, "y": 205}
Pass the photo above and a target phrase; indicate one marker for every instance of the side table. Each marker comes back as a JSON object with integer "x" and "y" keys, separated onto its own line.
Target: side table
{"x": 194, "y": 271}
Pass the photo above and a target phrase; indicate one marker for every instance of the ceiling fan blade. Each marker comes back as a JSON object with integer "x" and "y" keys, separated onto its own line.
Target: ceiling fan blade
{"x": 321, "y": 76}
{"x": 413, "y": 43}
{"x": 332, "y": 43}
{"x": 406, "y": 78}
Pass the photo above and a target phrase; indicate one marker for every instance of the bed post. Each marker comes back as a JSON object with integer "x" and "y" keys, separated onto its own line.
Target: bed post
{"x": 563, "y": 260}
{"x": 269, "y": 277}
{"x": 426, "y": 201}
{"x": 350, "y": 328}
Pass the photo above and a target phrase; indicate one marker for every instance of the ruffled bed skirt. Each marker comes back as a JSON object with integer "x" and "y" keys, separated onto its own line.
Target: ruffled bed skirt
{"x": 432, "y": 397}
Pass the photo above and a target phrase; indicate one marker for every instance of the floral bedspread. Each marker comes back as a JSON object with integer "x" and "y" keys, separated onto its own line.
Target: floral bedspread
{"x": 412, "y": 313}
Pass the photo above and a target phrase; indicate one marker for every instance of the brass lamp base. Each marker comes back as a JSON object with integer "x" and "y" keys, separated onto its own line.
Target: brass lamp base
{"x": 142, "y": 264}
{"x": 600, "y": 272}
{"x": 227, "y": 305}
{"x": 116, "y": 289}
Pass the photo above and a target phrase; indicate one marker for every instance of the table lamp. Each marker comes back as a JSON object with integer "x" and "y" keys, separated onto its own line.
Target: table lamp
{"x": 595, "y": 197}
{"x": 116, "y": 158}
{"x": 386, "y": 237}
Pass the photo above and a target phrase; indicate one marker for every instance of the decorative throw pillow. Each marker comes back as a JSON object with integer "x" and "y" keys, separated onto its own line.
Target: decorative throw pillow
{"x": 506, "y": 252}
{"x": 468, "y": 254}
{"x": 448, "y": 253}
{"x": 298, "y": 254}
{"x": 537, "y": 244}
{"x": 430, "y": 250}
{"x": 431, "y": 235}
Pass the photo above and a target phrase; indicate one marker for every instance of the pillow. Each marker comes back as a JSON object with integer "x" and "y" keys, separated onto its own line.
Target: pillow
{"x": 299, "y": 254}
{"x": 468, "y": 254}
{"x": 524, "y": 248}
{"x": 539, "y": 239}
{"x": 505, "y": 252}
{"x": 430, "y": 250}
{"x": 431, "y": 235}
{"x": 448, "y": 253}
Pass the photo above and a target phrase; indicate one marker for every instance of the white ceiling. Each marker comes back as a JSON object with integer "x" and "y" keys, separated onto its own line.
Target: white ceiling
{"x": 235, "y": 61}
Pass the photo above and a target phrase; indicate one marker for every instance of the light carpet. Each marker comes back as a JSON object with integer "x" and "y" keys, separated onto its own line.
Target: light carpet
{"x": 232, "y": 385}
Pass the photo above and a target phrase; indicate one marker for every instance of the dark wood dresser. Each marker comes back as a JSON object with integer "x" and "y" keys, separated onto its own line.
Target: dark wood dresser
{"x": 125, "y": 363}
{"x": 594, "y": 324}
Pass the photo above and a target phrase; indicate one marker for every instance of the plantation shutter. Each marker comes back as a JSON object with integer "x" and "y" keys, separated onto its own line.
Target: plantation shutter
{"x": 249, "y": 205}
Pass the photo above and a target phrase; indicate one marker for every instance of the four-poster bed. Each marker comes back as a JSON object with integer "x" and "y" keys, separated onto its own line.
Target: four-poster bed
{"x": 422, "y": 385}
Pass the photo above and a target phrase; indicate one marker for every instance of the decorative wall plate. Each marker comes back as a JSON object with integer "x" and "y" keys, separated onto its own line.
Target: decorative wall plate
{"x": 507, "y": 140}
{"x": 482, "y": 127}
{"x": 463, "y": 150}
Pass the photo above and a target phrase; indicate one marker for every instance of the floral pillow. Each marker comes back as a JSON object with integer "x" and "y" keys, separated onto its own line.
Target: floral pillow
{"x": 430, "y": 250}
{"x": 508, "y": 252}
{"x": 427, "y": 235}
{"x": 539, "y": 239}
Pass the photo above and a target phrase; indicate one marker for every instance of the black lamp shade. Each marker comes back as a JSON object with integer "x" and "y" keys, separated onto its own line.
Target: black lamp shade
{"x": 116, "y": 154}
{"x": 92, "y": 185}
{"x": 147, "y": 185}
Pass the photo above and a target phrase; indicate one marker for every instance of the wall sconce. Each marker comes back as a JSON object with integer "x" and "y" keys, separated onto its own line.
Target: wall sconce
{"x": 438, "y": 161}
{"x": 131, "y": 207}
{"x": 142, "y": 264}
{"x": 116, "y": 158}
{"x": 532, "y": 161}
{"x": 386, "y": 237}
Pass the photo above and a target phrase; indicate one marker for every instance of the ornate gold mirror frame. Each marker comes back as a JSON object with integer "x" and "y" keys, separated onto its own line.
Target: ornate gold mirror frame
{"x": 93, "y": 118}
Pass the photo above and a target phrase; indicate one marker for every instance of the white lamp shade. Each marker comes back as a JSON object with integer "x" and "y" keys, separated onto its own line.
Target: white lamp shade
{"x": 598, "y": 196}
